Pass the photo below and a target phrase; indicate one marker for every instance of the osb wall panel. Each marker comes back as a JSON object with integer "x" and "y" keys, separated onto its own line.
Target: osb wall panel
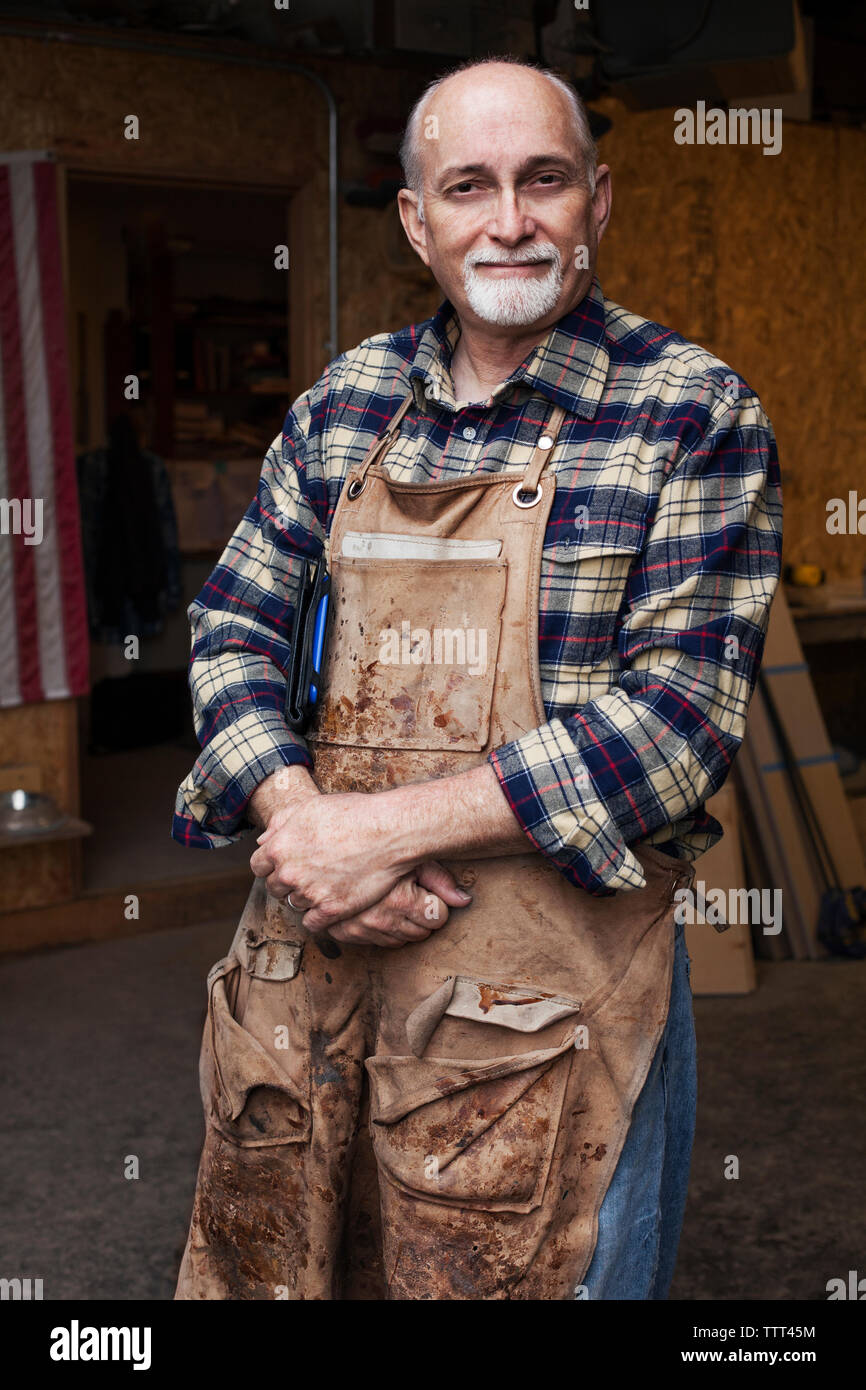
{"x": 759, "y": 258}
{"x": 383, "y": 285}
{"x": 755, "y": 256}
{"x": 400, "y": 291}
{"x": 207, "y": 119}
{"x": 239, "y": 125}
{"x": 197, "y": 120}
{"x": 37, "y": 876}
{"x": 46, "y": 734}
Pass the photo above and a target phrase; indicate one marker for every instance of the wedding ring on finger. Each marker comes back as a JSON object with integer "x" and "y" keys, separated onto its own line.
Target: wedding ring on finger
{"x": 293, "y": 906}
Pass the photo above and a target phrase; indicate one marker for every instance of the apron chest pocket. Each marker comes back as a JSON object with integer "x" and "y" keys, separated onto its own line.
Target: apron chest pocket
{"x": 256, "y": 1085}
{"x": 418, "y": 670}
{"x": 475, "y": 1133}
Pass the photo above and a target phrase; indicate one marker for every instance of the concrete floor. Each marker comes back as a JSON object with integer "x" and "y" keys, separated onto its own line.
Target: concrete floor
{"x": 100, "y": 1044}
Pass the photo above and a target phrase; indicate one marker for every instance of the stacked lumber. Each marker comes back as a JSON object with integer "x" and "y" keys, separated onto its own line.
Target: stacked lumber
{"x": 781, "y": 847}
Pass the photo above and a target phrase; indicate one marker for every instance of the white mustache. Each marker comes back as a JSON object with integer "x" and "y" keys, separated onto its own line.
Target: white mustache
{"x": 545, "y": 251}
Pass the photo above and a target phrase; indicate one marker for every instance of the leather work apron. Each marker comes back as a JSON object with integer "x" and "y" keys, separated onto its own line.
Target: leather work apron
{"x": 442, "y": 1120}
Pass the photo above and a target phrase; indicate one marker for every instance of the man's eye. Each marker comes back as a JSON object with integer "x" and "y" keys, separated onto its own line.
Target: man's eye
{"x": 548, "y": 178}
{"x": 463, "y": 187}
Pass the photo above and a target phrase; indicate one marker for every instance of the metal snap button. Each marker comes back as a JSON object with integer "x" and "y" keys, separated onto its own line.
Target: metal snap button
{"x": 545, "y": 442}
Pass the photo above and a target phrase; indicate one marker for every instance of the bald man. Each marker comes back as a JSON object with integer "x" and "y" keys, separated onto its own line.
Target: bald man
{"x": 450, "y": 1053}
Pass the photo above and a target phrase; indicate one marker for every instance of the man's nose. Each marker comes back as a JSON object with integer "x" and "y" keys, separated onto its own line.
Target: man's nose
{"x": 510, "y": 223}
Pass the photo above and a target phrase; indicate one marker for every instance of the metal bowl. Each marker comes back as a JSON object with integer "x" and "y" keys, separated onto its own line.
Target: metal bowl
{"x": 26, "y": 813}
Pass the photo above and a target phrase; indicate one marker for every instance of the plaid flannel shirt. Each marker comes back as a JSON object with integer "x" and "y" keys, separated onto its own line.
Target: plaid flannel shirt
{"x": 660, "y": 559}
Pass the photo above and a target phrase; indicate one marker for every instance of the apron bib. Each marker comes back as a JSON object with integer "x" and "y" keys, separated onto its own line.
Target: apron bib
{"x": 439, "y": 1121}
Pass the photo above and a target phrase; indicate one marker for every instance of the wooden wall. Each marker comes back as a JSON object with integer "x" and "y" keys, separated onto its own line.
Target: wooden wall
{"x": 43, "y": 737}
{"x": 756, "y": 256}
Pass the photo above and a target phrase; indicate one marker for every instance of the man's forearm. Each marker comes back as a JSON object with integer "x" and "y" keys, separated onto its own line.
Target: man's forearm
{"x": 457, "y": 817}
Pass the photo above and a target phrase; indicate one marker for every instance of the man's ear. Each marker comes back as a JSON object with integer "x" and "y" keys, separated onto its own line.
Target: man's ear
{"x": 415, "y": 229}
{"x": 602, "y": 199}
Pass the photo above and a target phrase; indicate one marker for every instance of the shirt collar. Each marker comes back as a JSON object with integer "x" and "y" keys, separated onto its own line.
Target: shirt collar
{"x": 569, "y": 366}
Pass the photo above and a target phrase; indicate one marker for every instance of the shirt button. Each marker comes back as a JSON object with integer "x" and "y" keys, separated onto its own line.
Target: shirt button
{"x": 468, "y": 432}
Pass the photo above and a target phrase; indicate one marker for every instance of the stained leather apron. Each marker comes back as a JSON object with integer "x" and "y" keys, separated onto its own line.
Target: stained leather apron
{"x": 439, "y": 1121}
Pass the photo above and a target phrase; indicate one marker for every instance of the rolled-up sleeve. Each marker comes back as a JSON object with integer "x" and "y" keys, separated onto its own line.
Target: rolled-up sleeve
{"x": 240, "y": 653}
{"x": 648, "y": 753}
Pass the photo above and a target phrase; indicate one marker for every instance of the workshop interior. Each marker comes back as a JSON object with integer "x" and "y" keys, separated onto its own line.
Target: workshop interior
{"x": 159, "y": 153}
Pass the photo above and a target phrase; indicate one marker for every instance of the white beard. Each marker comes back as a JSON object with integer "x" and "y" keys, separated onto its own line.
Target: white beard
{"x": 518, "y": 302}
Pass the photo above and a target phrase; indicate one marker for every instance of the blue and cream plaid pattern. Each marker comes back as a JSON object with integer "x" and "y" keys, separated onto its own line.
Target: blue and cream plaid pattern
{"x": 661, "y": 557}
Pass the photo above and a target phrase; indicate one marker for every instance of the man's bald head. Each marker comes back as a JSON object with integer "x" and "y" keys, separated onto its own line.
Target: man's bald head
{"x": 508, "y": 75}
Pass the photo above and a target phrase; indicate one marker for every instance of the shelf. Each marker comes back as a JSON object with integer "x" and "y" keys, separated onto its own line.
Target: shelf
{"x": 833, "y": 612}
{"x": 68, "y": 829}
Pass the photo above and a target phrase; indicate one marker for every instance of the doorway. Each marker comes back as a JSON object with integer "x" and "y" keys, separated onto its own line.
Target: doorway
{"x": 179, "y": 321}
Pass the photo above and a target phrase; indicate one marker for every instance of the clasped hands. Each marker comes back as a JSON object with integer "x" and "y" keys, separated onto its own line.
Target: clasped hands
{"x": 355, "y": 880}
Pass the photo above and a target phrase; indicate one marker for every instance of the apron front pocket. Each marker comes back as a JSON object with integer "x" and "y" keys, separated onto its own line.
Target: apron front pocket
{"x": 417, "y": 671}
{"x": 475, "y": 1132}
{"x": 256, "y": 1085}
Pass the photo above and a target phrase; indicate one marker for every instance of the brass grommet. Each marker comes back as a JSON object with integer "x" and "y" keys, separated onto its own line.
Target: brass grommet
{"x": 518, "y": 493}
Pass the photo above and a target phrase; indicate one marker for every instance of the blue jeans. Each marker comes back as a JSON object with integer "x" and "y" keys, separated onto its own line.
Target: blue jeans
{"x": 642, "y": 1213}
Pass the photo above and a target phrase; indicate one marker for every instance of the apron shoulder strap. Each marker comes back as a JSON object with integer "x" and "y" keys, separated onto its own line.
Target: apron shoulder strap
{"x": 542, "y": 452}
{"x": 379, "y": 448}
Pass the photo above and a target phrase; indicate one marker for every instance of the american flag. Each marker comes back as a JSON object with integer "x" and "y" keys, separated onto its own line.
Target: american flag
{"x": 43, "y": 621}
